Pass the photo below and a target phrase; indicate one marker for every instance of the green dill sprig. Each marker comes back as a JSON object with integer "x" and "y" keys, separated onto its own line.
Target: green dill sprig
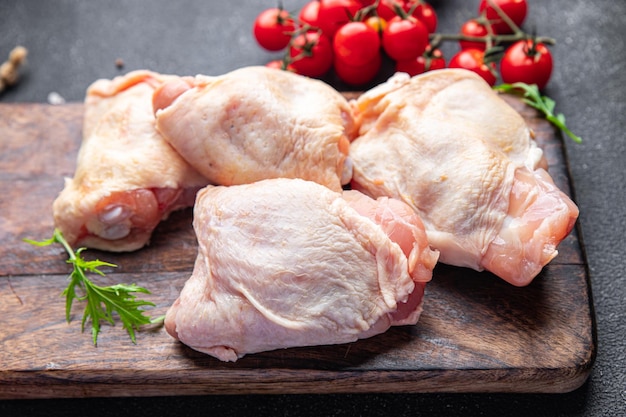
{"x": 100, "y": 302}
{"x": 533, "y": 97}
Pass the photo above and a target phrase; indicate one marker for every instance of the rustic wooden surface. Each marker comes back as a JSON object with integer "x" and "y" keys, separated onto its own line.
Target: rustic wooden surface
{"x": 477, "y": 333}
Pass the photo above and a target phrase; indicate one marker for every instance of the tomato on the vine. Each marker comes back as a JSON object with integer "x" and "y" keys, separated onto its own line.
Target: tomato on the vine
{"x": 405, "y": 39}
{"x": 273, "y": 29}
{"x": 473, "y": 28}
{"x": 473, "y": 60}
{"x": 425, "y": 13}
{"x": 356, "y": 43}
{"x": 377, "y": 23}
{"x": 335, "y": 13}
{"x": 437, "y": 61}
{"x": 310, "y": 13}
{"x": 311, "y": 54}
{"x": 528, "y": 62}
{"x": 352, "y": 37}
{"x": 428, "y": 61}
{"x": 422, "y": 11}
{"x": 386, "y": 9}
{"x": 515, "y": 9}
{"x": 357, "y": 74}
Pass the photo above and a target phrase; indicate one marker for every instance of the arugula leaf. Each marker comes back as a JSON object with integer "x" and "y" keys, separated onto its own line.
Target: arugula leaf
{"x": 100, "y": 302}
{"x": 543, "y": 103}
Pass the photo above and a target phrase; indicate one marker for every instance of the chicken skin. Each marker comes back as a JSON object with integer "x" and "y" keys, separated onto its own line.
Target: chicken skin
{"x": 288, "y": 262}
{"x": 127, "y": 178}
{"x": 463, "y": 159}
{"x": 256, "y": 123}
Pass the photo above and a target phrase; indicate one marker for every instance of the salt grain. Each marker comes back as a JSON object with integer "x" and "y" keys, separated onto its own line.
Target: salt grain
{"x": 55, "y": 98}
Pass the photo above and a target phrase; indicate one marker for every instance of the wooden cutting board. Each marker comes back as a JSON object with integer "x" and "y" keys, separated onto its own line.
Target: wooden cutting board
{"x": 477, "y": 333}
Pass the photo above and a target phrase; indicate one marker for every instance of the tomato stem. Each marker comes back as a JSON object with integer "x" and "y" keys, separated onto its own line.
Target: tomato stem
{"x": 437, "y": 38}
{"x": 492, "y": 39}
{"x": 366, "y": 11}
{"x": 400, "y": 11}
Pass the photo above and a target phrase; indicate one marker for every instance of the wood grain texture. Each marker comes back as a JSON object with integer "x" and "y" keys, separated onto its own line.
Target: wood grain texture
{"x": 477, "y": 333}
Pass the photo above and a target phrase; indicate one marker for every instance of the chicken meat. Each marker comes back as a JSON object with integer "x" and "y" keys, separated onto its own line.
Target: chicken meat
{"x": 288, "y": 262}
{"x": 256, "y": 123}
{"x": 464, "y": 160}
{"x": 127, "y": 177}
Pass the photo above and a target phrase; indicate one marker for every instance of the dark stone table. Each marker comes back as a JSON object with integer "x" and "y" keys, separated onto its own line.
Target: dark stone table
{"x": 72, "y": 43}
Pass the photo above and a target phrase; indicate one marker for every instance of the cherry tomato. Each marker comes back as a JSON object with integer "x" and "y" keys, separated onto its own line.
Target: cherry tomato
{"x": 437, "y": 61}
{"x": 377, "y": 23}
{"x": 311, "y": 53}
{"x": 425, "y": 13}
{"x": 405, "y": 39}
{"x": 528, "y": 62}
{"x": 335, "y": 13}
{"x": 473, "y": 60}
{"x": 357, "y": 74}
{"x": 356, "y": 43}
{"x": 428, "y": 61}
{"x": 386, "y": 9}
{"x": 310, "y": 13}
{"x": 273, "y": 28}
{"x": 475, "y": 29}
{"x": 515, "y": 9}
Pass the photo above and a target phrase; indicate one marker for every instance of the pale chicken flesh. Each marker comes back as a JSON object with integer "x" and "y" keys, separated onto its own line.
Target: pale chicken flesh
{"x": 256, "y": 123}
{"x": 288, "y": 262}
{"x": 464, "y": 160}
{"x": 127, "y": 177}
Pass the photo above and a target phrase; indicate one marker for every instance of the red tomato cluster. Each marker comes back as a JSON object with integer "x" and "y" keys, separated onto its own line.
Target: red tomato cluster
{"x": 522, "y": 61}
{"x": 351, "y": 37}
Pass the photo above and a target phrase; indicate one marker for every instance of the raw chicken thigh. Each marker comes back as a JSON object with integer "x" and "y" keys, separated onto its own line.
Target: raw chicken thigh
{"x": 128, "y": 178}
{"x": 288, "y": 262}
{"x": 462, "y": 158}
{"x": 256, "y": 123}
{"x": 462, "y": 97}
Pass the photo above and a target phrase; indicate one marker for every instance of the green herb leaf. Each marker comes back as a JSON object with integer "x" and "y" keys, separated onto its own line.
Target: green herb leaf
{"x": 533, "y": 97}
{"x": 100, "y": 302}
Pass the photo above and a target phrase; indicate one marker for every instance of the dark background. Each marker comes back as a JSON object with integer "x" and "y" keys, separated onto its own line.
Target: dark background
{"x": 73, "y": 43}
